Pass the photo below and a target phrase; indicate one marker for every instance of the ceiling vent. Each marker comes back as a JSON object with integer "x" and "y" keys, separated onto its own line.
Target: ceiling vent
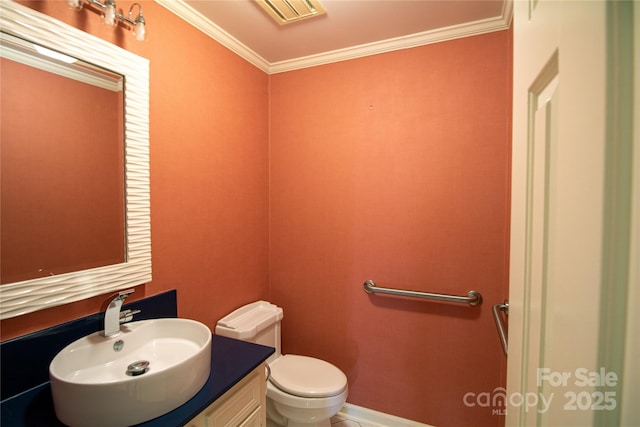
{"x": 288, "y": 11}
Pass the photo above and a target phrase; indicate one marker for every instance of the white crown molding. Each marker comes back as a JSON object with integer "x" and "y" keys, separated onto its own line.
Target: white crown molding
{"x": 195, "y": 18}
{"x": 204, "y": 24}
{"x": 399, "y": 43}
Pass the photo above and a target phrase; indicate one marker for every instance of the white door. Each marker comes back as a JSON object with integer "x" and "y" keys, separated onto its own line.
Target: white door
{"x": 573, "y": 296}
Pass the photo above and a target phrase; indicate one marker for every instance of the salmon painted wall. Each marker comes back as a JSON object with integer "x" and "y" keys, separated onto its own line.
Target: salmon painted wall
{"x": 396, "y": 168}
{"x": 209, "y": 169}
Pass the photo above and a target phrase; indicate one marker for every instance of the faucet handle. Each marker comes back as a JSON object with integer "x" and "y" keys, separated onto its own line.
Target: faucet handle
{"x": 127, "y": 315}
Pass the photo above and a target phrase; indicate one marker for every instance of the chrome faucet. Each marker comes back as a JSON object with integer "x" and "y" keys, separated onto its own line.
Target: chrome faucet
{"x": 112, "y": 315}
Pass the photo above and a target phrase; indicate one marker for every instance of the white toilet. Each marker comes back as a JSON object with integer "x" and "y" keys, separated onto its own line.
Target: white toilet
{"x": 301, "y": 391}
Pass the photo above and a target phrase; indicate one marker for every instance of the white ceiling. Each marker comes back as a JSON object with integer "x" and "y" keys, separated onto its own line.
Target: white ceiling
{"x": 350, "y": 28}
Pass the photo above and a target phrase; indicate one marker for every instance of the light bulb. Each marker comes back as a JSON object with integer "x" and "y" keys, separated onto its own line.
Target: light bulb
{"x": 139, "y": 29}
{"x": 110, "y": 12}
{"x": 75, "y": 4}
{"x": 140, "y": 32}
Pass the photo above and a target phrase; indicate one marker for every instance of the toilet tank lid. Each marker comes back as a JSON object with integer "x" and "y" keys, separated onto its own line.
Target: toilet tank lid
{"x": 246, "y": 321}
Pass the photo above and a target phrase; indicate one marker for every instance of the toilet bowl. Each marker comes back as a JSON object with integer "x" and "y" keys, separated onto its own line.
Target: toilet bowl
{"x": 305, "y": 391}
{"x": 302, "y": 391}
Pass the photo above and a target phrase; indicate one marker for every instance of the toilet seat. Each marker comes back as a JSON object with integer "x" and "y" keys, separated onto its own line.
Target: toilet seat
{"x": 306, "y": 376}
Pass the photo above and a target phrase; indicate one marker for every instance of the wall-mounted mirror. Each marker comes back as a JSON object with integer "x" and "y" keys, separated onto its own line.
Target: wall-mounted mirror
{"x": 74, "y": 160}
{"x": 62, "y": 180}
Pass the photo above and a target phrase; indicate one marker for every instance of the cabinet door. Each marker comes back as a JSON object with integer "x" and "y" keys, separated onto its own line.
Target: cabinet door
{"x": 243, "y": 405}
{"x": 253, "y": 420}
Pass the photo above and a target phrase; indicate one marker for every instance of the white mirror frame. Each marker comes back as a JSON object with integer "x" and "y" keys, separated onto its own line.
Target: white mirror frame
{"x": 37, "y": 294}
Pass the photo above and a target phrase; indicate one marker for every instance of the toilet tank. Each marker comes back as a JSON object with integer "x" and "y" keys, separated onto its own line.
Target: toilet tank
{"x": 258, "y": 322}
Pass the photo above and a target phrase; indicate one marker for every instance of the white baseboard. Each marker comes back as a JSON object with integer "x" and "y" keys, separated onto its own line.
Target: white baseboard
{"x": 374, "y": 418}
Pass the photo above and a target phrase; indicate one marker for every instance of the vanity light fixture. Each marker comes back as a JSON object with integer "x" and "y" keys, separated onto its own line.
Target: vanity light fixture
{"x": 112, "y": 15}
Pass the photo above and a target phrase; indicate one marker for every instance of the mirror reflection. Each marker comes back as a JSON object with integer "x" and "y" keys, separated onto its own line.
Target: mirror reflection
{"x": 62, "y": 205}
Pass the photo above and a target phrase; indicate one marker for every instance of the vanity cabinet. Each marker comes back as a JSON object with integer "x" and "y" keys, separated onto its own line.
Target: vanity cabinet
{"x": 244, "y": 405}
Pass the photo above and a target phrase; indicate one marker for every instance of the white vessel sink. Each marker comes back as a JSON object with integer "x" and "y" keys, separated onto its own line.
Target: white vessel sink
{"x": 94, "y": 385}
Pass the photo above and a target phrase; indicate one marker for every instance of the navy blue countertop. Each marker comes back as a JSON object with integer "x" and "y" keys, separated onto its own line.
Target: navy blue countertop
{"x": 231, "y": 360}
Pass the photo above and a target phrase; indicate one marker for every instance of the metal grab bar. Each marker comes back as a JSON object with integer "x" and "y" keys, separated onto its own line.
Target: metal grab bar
{"x": 497, "y": 308}
{"x": 472, "y": 298}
